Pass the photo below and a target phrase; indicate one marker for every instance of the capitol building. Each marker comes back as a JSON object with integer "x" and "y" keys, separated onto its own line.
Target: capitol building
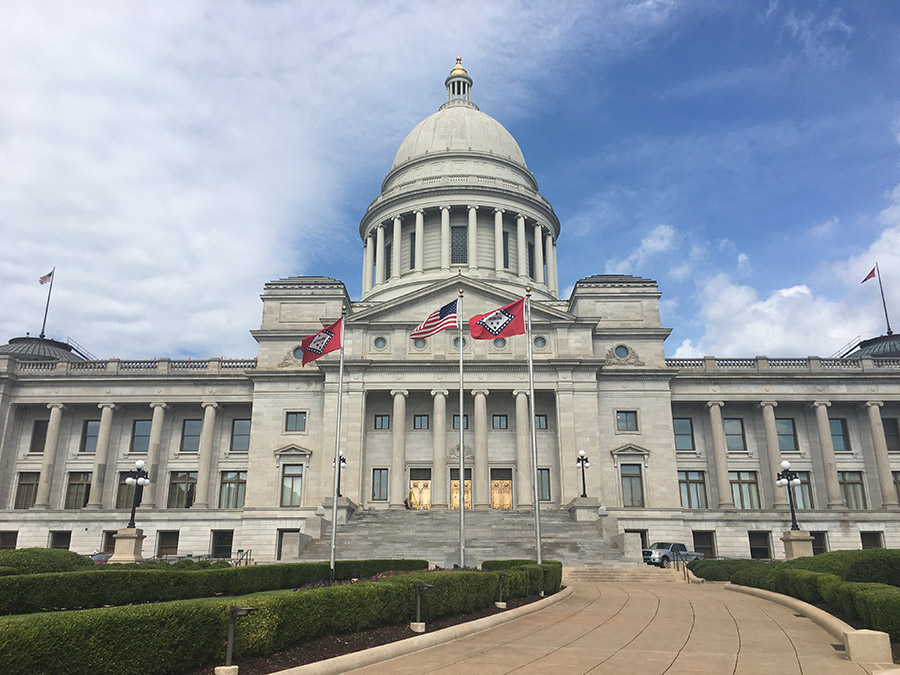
{"x": 240, "y": 453}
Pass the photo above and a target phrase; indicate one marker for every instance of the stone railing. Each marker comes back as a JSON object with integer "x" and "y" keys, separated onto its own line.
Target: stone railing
{"x": 763, "y": 364}
{"x": 129, "y": 367}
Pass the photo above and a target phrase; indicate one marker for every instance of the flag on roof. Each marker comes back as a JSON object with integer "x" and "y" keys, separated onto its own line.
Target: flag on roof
{"x": 438, "y": 320}
{"x": 503, "y": 322}
{"x": 326, "y": 340}
{"x": 47, "y": 277}
{"x": 868, "y": 276}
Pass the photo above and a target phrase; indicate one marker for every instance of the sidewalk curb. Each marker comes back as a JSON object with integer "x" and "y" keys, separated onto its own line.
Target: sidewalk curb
{"x": 368, "y": 657}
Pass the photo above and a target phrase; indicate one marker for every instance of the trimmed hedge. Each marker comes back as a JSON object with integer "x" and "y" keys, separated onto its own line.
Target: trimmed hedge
{"x": 39, "y": 560}
{"x": 25, "y": 594}
{"x": 718, "y": 570}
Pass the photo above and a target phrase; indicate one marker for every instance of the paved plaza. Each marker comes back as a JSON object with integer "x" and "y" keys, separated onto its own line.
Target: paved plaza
{"x": 650, "y": 628}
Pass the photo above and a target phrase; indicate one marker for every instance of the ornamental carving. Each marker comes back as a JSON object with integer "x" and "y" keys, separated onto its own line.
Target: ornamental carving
{"x": 630, "y": 359}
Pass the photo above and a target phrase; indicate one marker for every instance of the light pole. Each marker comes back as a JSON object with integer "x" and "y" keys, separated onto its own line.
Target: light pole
{"x": 138, "y": 478}
{"x": 583, "y": 462}
{"x": 342, "y": 465}
{"x": 789, "y": 479}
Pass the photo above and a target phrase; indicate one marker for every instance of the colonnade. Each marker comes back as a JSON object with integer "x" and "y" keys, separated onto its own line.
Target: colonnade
{"x": 374, "y": 248}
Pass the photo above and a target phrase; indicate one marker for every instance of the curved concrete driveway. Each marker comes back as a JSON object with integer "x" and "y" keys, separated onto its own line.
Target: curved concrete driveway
{"x": 650, "y": 628}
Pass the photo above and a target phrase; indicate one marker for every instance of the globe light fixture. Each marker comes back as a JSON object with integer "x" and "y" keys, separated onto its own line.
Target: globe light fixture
{"x": 583, "y": 462}
{"x": 139, "y": 479}
{"x": 789, "y": 479}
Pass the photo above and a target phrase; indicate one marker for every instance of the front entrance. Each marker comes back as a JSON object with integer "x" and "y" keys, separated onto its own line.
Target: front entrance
{"x": 419, "y": 489}
{"x": 501, "y": 489}
{"x": 454, "y": 489}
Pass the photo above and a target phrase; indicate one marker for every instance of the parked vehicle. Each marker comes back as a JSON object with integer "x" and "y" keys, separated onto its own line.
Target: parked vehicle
{"x": 664, "y": 553}
{"x": 101, "y": 558}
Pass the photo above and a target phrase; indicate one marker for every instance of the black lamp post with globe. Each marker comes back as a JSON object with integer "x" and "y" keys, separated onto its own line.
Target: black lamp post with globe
{"x": 137, "y": 477}
{"x": 583, "y": 463}
{"x": 789, "y": 479}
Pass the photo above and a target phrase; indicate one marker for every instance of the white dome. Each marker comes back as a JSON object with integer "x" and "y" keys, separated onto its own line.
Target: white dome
{"x": 458, "y": 128}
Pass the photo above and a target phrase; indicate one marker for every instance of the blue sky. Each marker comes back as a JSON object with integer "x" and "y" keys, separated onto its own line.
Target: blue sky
{"x": 170, "y": 159}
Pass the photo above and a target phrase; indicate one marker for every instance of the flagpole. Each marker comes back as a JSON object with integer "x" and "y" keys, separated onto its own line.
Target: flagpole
{"x": 337, "y": 442}
{"x": 534, "y": 466}
{"x": 462, "y": 451}
{"x": 53, "y": 276}
{"x": 883, "y": 303}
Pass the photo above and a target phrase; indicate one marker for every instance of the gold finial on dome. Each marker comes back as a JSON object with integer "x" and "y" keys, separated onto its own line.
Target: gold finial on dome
{"x": 458, "y": 69}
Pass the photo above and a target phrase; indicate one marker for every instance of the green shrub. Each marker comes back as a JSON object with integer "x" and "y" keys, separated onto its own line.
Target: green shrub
{"x": 38, "y": 560}
{"x": 880, "y": 608}
{"x": 798, "y": 583}
{"x": 828, "y": 585}
{"x": 834, "y": 562}
{"x": 343, "y": 569}
{"x": 758, "y": 574}
{"x": 496, "y": 565}
{"x": 877, "y": 565}
{"x": 6, "y": 571}
{"x": 718, "y": 570}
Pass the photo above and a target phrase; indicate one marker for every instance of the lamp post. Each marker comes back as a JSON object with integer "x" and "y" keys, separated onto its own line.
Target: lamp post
{"x": 342, "y": 465}
{"x": 137, "y": 477}
{"x": 583, "y": 462}
{"x": 789, "y": 479}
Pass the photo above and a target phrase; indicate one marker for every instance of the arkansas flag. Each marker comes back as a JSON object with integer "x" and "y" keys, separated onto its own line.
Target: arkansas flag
{"x": 503, "y": 322}
{"x": 868, "y": 276}
{"x": 326, "y": 340}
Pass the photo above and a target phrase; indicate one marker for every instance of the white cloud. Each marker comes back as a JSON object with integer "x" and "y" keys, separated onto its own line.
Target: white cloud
{"x": 743, "y": 262}
{"x": 660, "y": 239}
{"x": 824, "y": 229}
{"x": 823, "y": 40}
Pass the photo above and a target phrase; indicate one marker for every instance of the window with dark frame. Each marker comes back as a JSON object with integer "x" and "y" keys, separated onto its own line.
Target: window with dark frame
{"x": 684, "y": 433}
{"x": 853, "y": 494}
{"x": 456, "y": 422}
{"x": 787, "y": 434}
{"x": 692, "y": 485}
{"x": 26, "y": 491}
{"x": 78, "y": 490}
{"x": 38, "y": 435}
{"x": 420, "y": 421}
{"x": 540, "y": 421}
{"x": 412, "y": 250}
{"x": 222, "y": 543}
{"x": 382, "y": 422}
{"x": 124, "y": 492}
{"x": 388, "y": 261}
{"x": 734, "y": 434}
{"x": 166, "y": 543}
{"x": 872, "y": 539}
{"x": 190, "y": 435}
{"x": 291, "y": 484}
{"x": 705, "y": 543}
{"x": 182, "y": 488}
{"x": 840, "y": 436}
{"x": 891, "y": 433}
{"x": 819, "y": 542}
{"x": 506, "y": 250}
{"x": 60, "y": 539}
{"x": 90, "y": 430}
{"x": 544, "y": 485}
{"x": 295, "y": 421}
{"x": 499, "y": 422}
{"x": 459, "y": 245}
{"x": 232, "y": 489}
{"x": 760, "y": 545}
{"x": 632, "y": 487}
{"x": 744, "y": 489}
{"x": 803, "y": 498}
{"x": 896, "y": 475}
{"x": 379, "y": 485}
{"x": 626, "y": 420}
{"x": 530, "y": 250}
{"x": 140, "y": 436}
{"x": 240, "y": 435}
{"x": 8, "y": 539}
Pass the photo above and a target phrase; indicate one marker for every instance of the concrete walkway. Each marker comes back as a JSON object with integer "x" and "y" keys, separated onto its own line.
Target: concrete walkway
{"x": 650, "y": 628}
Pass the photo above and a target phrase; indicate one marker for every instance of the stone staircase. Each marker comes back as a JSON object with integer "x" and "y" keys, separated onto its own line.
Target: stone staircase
{"x": 490, "y": 534}
{"x": 633, "y": 575}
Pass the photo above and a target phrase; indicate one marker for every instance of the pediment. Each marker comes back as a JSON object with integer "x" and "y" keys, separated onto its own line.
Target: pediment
{"x": 630, "y": 453}
{"x": 292, "y": 449}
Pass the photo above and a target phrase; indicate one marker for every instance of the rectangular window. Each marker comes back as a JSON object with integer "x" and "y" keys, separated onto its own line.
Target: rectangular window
{"x": 840, "y": 436}
{"x": 626, "y": 420}
{"x": 506, "y": 250}
{"x": 896, "y": 483}
{"x": 166, "y": 543}
{"x": 231, "y": 492}
{"x": 38, "y": 435}
{"x": 760, "y": 545}
{"x": 456, "y": 421}
{"x": 78, "y": 490}
{"x": 872, "y": 539}
{"x": 182, "y": 486}
{"x": 802, "y": 493}
{"x": 89, "y": 432}
{"x": 530, "y": 250}
{"x": 140, "y": 435}
{"x": 734, "y": 434}
{"x": 705, "y": 543}
{"x": 499, "y": 422}
{"x": 60, "y": 539}
{"x": 684, "y": 433}
{"x": 295, "y": 421}
{"x": 891, "y": 434}
{"x": 420, "y": 421}
{"x": 124, "y": 493}
{"x": 819, "y": 542}
{"x": 382, "y": 422}
{"x": 540, "y": 421}
{"x": 544, "y": 485}
{"x": 190, "y": 435}
{"x": 109, "y": 541}
{"x": 240, "y": 435}
{"x": 412, "y": 250}
{"x": 632, "y": 489}
{"x": 693, "y": 489}
{"x": 459, "y": 245}
{"x": 291, "y": 484}
{"x": 744, "y": 489}
{"x": 26, "y": 492}
{"x": 388, "y": 260}
{"x": 8, "y": 540}
{"x": 222, "y": 541}
{"x": 379, "y": 484}
{"x": 787, "y": 435}
{"x": 852, "y": 494}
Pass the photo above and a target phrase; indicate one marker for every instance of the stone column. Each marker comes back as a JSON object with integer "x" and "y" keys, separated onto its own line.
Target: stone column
{"x": 882, "y": 459}
{"x": 720, "y": 455}
{"x": 498, "y": 239}
{"x": 396, "y": 245}
{"x": 399, "y": 486}
{"x": 368, "y": 264}
{"x": 379, "y": 255}
{"x": 420, "y": 240}
{"x": 521, "y": 246}
{"x": 445, "y": 237}
{"x": 539, "y": 255}
{"x": 773, "y": 452}
{"x": 206, "y": 455}
{"x": 473, "y": 237}
{"x": 148, "y": 499}
{"x": 439, "y": 464}
{"x": 552, "y": 280}
{"x": 98, "y": 479}
{"x": 481, "y": 482}
{"x": 42, "y": 498}
{"x": 524, "y": 470}
{"x": 826, "y": 447}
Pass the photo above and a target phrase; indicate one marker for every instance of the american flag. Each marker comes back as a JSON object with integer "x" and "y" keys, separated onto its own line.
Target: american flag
{"x": 47, "y": 277}
{"x": 437, "y": 321}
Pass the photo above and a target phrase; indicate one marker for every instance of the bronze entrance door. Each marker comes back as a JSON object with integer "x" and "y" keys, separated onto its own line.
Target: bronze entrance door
{"x": 454, "y": 489}
{"x": 501, "y": 489}
{"x": 419, "y": 489}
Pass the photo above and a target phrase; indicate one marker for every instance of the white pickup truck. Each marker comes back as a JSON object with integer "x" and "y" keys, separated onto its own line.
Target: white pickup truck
{"x": 663, "y": 553}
